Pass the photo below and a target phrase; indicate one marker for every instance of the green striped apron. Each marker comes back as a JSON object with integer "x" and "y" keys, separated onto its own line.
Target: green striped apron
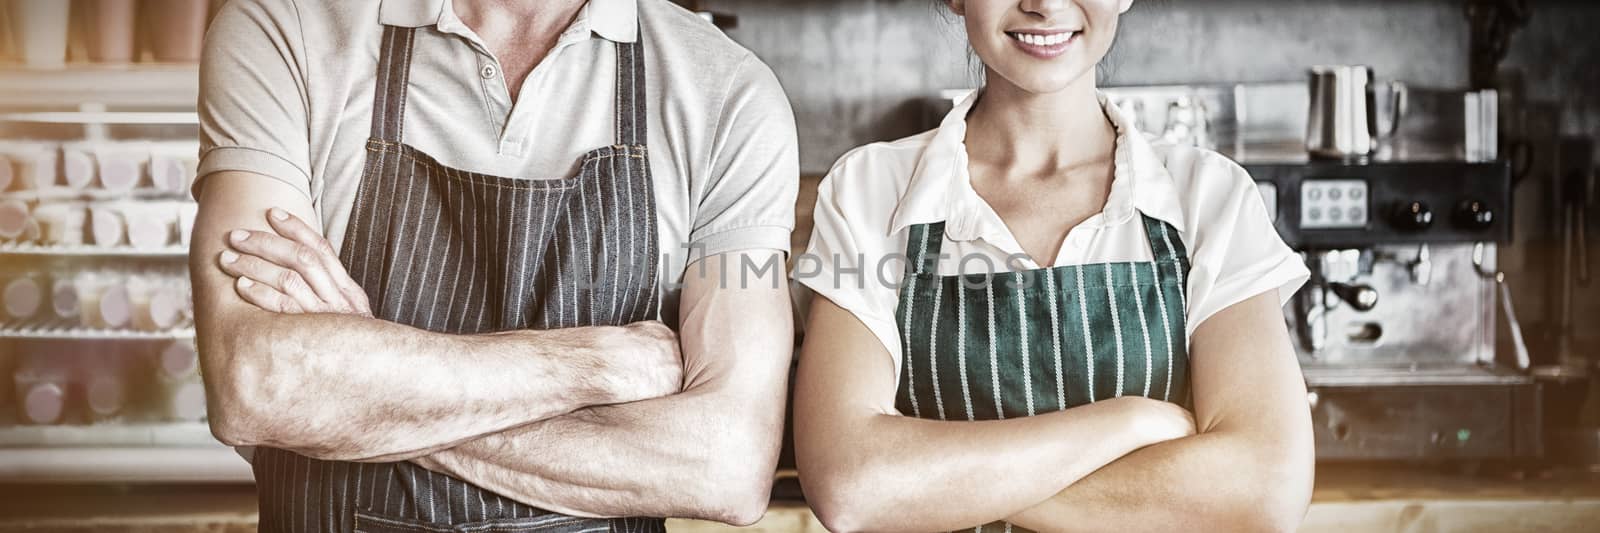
{"x": 1006, "y": 345}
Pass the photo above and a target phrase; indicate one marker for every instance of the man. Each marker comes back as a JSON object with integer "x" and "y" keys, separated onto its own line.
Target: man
{"x": 435, "y": 263}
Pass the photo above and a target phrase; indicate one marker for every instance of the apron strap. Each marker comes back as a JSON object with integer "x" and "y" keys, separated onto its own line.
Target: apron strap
{"x": 1165, "y": 245}
{"x": 630, "y": 110}
{"x": 922, "y": 248}
{"x": 394, "y": 73}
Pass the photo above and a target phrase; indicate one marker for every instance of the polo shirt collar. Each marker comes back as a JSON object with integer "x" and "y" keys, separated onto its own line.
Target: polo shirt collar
{"x": 613, "y": 20}
{"x": 410, "y": 13}
{"x": 941, "y": 186}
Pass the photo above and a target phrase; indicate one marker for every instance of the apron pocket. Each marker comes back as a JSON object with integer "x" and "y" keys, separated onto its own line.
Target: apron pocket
{"x": 366, "y": 522}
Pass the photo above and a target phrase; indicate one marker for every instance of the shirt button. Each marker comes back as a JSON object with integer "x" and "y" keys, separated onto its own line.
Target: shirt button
{"x": 488, "y": 72}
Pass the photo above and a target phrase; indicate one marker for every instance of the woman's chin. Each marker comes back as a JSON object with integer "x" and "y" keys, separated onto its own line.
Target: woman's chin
{"x": 1044, "y": 82}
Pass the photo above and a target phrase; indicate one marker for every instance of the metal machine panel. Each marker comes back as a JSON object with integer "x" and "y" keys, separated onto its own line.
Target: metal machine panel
{"x": 1427, "y": 422}
{"x": 1406, "y": 202}
{"x": 1414, "y": 326}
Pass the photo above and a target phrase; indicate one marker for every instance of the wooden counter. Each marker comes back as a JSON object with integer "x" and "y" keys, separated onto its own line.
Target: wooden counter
{"x": 1347, "y": 499}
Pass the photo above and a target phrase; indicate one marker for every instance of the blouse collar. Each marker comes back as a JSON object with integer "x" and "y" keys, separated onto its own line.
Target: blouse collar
{"x": 941, "y": 187}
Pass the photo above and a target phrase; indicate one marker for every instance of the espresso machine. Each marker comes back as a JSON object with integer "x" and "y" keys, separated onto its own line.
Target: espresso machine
{"x": 1398, "y": 202}
{"x": 1396, "y": 331}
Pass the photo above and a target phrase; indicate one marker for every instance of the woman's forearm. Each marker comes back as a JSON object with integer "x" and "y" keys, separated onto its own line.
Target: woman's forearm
{"x": 1249, "y": 469}
{"x": 893, "y": 473}
{"x": 1216, "y": 481}
{"x": 865, "y": 467}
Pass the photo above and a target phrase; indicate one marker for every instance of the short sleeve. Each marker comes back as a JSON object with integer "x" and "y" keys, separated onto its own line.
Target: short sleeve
{"x": 847, "y": 259}
{"x": 253, "y": 109}
{"x": 1237, "y": 252}
{"x": 748, "y": 201}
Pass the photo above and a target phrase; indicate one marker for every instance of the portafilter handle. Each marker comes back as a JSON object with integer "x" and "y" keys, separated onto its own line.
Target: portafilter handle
{"x": 1361, "y": 297}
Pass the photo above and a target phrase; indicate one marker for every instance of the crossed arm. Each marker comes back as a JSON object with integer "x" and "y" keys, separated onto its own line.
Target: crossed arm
{"x": 716, "y": 441}
{"x": 1127, "y": 464}
{"x": 1250, "y": 466}
{"x": 599, "y": 421}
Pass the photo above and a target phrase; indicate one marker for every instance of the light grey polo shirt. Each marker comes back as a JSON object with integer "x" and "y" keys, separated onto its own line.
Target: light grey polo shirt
{"x": 286, "y": 92}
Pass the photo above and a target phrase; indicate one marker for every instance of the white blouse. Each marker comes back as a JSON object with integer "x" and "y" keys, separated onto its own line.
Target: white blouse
{"x": 875, "y": 193}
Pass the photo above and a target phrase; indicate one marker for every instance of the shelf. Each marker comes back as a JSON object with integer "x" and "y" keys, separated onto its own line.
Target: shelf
{"x": 212, "y": 463}
{"x": 54, "y": 328}
{"x": 1329, "y": 376}
{"x": 103, "y": 117}
{"x": 173, "y": 86}
{"x": 100, "y": 196}
{"x": 108, "y": 434}
{"x": 59, "y": 193}
{"x": 89, "y": 250}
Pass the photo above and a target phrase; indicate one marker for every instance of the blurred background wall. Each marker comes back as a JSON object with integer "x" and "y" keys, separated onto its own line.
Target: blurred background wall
{"x": 858, "y": 71}
{"x": 855, "y": 69}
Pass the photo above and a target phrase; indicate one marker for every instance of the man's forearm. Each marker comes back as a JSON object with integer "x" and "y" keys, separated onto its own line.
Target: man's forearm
{"x": 708, "y": 452}
{"x": 704, "y": 455}
{"x": 1209, "y": 482}
{"x": 353, "y": 388}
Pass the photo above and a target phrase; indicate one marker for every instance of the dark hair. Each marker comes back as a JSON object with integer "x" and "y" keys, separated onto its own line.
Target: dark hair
{"x": 975, "y": 68}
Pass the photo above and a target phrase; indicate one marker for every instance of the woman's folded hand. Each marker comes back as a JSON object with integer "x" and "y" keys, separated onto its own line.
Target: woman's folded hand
{"x": 1154, "y": 421}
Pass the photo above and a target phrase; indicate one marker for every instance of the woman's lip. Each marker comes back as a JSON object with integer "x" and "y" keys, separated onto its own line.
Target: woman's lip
{"x": 1042, "y": 51}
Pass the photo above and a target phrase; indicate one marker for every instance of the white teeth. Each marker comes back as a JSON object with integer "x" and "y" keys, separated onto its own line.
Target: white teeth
{"x": 1043, "y": 40}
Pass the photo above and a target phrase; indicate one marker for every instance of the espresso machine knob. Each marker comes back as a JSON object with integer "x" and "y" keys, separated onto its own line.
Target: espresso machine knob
{"x": 1360, "y": 297}
{"x": 1474, "y": 215}
{"x": 1412, "y": 216}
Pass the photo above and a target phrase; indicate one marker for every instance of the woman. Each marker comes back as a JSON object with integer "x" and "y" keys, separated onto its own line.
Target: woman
{"x": 1135, "y": 282}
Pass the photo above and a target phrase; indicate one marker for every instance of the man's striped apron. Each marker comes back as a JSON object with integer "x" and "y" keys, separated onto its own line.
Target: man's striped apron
{"x": 1008, "y": 345}
{"x": 455, "y": 251}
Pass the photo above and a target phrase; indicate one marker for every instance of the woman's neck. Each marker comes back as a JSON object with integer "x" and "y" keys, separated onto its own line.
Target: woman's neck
{"x": 1039, "y": 134}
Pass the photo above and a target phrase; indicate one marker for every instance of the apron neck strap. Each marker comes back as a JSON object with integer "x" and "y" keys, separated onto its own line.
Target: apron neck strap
{"x": 1165, "y": 244}
{"x": 394, "y": 72}
{"x": 630, "y": 110}
{"x": 922, "y": 247}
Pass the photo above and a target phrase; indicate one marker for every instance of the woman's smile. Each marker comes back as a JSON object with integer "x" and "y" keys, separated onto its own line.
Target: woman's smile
{"x": 1044, "y": 44}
